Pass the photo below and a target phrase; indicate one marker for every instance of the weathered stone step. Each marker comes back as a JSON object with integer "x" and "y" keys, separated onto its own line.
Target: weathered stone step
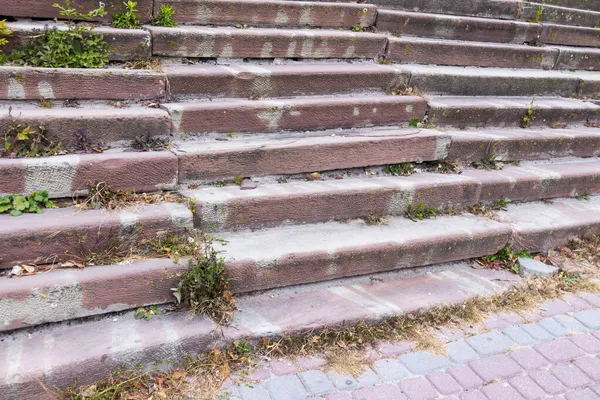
{"x": 271, "y": 13}
{"x": 291, "y": 255}
{"x": 47, "y": 355}
{"x": 559, "y": 15}
{"x": 68, "y": 175}
{"x": 287, "y": 154}
{"x": 26, "y": 83}
{"x": 473, "y": 81}
{"x": 127, "y": 44}
{"x": 43, "y": 9}
{"x": 298, "y": 202}
{"x": 451, "y": 27}
{"x": 65, "y": 294}
{"x": 78, "y": 128}
{"x": 205, "y": 42}
{"x": 294, "y": 114}
{"x": 64, "y": 234}
{"x": 257, "y": 81}
{"x": 541, "y": 226}
{"x": 510, "y": 111}
{"x": 501, "y": 9}
{"x": 412, "y": 50}
{"x": 580, "y": 4}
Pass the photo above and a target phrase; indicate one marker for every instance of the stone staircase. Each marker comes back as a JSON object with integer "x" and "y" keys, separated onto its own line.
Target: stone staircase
{"x": 298, "y": 88}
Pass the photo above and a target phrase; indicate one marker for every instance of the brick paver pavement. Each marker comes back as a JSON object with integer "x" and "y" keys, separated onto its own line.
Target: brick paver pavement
{"x": 553, "y": 354}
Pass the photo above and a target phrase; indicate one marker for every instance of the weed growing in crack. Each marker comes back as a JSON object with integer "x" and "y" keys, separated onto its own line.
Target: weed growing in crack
{"x": 4, "y": 32}
{"x": 102, "y": 196}
{"x": 446, "y": 166}
{"x": 76, "y": 47}
{"x": 402, "y": 169}
{"x": 147, "y": 313}
{"x": 146, "y": 143}
{"x": 21, "y": 140}
{"x": 490, "y": 162}
{"x": 17, "y": 204}
{"x": 165, "y": 17}
{"x": 583, "y": 196}
{"x": 149, "y": 64}
{"x": 529, "y": 116}
{"x": 539, "y": 12}
{"x": 420, "y": 212}
{"x": 358, "y": 28}
{"x": 505, "y": 258}
{"x": 128, "y": 19}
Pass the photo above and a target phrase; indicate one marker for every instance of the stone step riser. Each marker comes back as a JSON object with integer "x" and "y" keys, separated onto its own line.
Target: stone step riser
{"x": 311, "y": 202}
{"x": 265, "y": 43}
{"x": 591, "y": 5}
{"x": 296, "y": 114}
{"x": 450, "y": 27}
{"x": 272, "y": 13}
{"x": 64, "y": 234}
{"x": 443, "y": 52}
{"x": 66, "y": 176}
{"x": 69, "y": 294}
{"x": 501, "y": 9}
{"x": 127, "y": 44}
{"x": 84, "y": 128}
{"x": 559, "y": 15}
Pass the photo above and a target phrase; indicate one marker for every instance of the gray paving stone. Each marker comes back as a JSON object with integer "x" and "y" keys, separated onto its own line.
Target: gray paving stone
{"x": 537, "y": 332}
{"x": 255, "y": 391}
{"x": 529, "y": 266}
{"x": 420, "y": 362}
{"x": 460, "y": 352}
{"x": 589, "y": 318}
{"x": 490, "y": 343}
{"x": 390, "y": 370}
{"x": 231, "y": 393}
{"x": 348, "y": 382}
{"x": 316, "y": 382}
{"x": 571, "y": 323}
{"x": 552, "y": 326}
{"x": 286, "y": 388}
{"x": 519, "y": 335}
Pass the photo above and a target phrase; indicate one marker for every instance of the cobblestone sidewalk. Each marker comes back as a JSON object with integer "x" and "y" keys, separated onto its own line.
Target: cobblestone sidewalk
{"x": 550, "y": 354}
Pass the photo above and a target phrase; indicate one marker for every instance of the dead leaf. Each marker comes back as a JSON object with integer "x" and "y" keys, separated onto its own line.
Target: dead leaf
{"x": 29, "y": 268}
{"x": 178, "y": 374}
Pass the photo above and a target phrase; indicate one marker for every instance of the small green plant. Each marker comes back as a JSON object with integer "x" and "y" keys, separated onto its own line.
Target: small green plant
{"x": 17, "y": 204}
{"x": 204, "y": 287}
{"x": 500, "y": 204}
{"x": 165, "y": 17}
{"x": 147, "y": 313}
{"x": 538, "y": 14}
{"x": 358, "y": 28}
{"x": 238, "y": 180}
{"x": 241, "y": 350}
{"x": 128, "y": 19}
{"x": 445, "y": 166}
{"x": 529, "y": 116}
{"x": 582, "y": 196}
{"x": 76, "y": 47}
{"x": 420, "y": 212}
{"x": 384, "y": 61}
{"x": 218, "y": 183}
{"x": 402, "y": 169}
{"x": 45, "y": 103}
{"x": 415, "y": 123}
{"x": 4, "y": 31}
{"x": 241, "y": 26}
{"x": 505, "y": 258}
{"x": 21, "y": 140}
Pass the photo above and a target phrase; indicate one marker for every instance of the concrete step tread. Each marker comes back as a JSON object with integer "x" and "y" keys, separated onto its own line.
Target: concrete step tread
{"x": 578, "y": 4}
{"x": 46, "y": 353}
{"x": 499, "y": 72}
{"x": 511, "y": 101}
{"x": 64, "y": 233}
{"x": 559, "y": 14}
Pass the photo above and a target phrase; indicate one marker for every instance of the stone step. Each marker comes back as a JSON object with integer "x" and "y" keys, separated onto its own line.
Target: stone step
{"x": 43, "y": 9}
{"x": 501, "y": 9}
{"x": 294, "y": 114}
{"x": 47, "y": 356}
{"x": 86, "y": 127}
{"x": 70, "y": 175}
{"x": 292, "y": 255}
{"x": 271, "y": 13}
{"x": 212, "y": 160}
{"x": 65, "y": 294}
{"x": 540, "y": 226}
{"x": 412, "y": 50}
{"x": 473, "y": 81}
{"x": 257, "y": 81}
{"x": 26, "y": 83}
{"x": 65, "y": 234}
{"x": 127, "y": 44}
{"x": 510, "y": 111}
{"x": 541, "y": 12}
{"x": 206, "y": 42}
{"x": 450, "y": 27}
{"x": 579, "y": 4}
{"x": 298, "y": 202}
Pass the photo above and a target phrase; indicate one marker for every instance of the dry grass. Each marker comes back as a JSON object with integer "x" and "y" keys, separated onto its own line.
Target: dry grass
{"x": 151, "y": 64}
{"x": 102, "y": 196}
{"x": 344, "y": 362}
